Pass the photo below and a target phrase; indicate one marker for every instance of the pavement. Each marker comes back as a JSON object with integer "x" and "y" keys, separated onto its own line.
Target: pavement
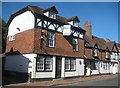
{"x": 58, "y": 82}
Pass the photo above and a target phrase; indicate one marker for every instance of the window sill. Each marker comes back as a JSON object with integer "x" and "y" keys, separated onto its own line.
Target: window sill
{"x": 70, "y": 70}
{"x": 44, "y": 71}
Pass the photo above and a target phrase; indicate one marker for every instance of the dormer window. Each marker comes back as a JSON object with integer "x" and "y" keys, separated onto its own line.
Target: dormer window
{"x": 107, "y": 54}
{"x": 95, "y": 51}
{"x": 52, "y": 14}
{"x": 75, "y": 23}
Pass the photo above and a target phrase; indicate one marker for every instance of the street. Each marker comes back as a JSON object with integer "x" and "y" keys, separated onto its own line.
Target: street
{"x": 96, "y": 82}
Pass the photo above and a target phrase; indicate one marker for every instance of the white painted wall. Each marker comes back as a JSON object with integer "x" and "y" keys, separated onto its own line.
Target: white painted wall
{"x": 46, "y": 74}
{"x": 46, "y": 13}
{"x": 23, "y": 21}
{"x": 79, "y": 69}
{"x": 20, "y": 63}
{"x": 63, "y": 67}
{"x": 71, "y": 22}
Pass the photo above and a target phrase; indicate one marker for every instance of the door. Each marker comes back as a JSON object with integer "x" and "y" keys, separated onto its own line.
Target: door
{"x": 88, "y": 68}
{"x": 58, "y": 67}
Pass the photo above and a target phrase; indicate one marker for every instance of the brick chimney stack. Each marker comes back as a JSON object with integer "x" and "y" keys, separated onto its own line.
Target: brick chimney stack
{"x": 108, "y": 40}
{"x": 88, "y": 28}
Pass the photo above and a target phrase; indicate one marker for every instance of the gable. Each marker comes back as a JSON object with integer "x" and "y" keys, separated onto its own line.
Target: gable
{"x": 23, "y": 21}
{"x": 114, "y": 48}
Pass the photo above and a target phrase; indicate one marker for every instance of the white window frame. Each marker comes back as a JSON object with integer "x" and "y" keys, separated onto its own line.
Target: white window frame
{"x": 69, "y": 62}
{"x": 75, "y": 23}
{"x": 95, "y": 51}
{"x": 52, "y": 14}
{"x": 107, "y": 54}
{"x": 73, "y": 63}
{"x": 51, "y": 39}
{"x": 44, "y": 63}
{"x": 11, "y": 38}
{"x": 75, "y": 44}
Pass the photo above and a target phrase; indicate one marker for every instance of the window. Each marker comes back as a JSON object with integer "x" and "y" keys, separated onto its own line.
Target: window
{"x": 67, "y": 64}
{"x": 70, "y": 64}
{"x": 75, "y": 23}
{"x": 12, "y": 38}
{"x": 107, "y": 54}
{"x": 94, "y": 65}
{"x": 44, "y": 64}
{"x": 75, "y": 44}
{"x": 50, "y": 39}
{"x": 95, "y": 51}
{"x": 73, "y": 64}
{"x": 52, "y": 14}
{"x": 113, "y": 56}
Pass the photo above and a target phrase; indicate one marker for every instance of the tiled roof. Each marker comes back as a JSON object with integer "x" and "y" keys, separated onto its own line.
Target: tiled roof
{"x": 100, "y": 42}
{"x": 89, "y": 42}
{"x": 49, "y": 8}
{"x": 72, "y": 18}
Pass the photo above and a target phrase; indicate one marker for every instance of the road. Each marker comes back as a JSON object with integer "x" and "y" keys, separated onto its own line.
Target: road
{"x": 97, "y": 82}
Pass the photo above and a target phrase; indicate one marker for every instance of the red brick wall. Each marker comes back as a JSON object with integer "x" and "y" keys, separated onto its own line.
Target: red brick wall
{"x": 29, "y": 41}
{"x": 62, "y": 45}
{"x": 89, "y": 53}
{"x": 24, "y": 42}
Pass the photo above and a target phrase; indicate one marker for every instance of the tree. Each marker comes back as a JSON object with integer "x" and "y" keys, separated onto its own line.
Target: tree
{"x": 4, "y": 31}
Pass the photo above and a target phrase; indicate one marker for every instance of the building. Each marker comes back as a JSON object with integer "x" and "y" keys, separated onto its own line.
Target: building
{"x": 45, "y": 45}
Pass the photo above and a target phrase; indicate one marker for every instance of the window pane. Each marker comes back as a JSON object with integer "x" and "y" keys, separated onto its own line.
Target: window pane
{"x": 50, "y": 39}
{"x": 67, "y": 64}
{"x": 40, "y": 63}
{"x": 48, "y": 64}
{"x": 73, "y": 64}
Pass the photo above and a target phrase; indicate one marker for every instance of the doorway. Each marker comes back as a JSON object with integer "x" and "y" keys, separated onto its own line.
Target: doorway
{"x": 58, "y": 67}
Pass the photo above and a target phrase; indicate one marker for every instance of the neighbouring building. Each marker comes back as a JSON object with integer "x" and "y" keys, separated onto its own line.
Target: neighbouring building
{"x": 46, "y": 45}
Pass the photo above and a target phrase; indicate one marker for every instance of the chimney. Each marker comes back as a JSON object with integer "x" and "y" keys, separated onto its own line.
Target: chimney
{"x": 88, "y": 28}
{"x": 108, "y": 40}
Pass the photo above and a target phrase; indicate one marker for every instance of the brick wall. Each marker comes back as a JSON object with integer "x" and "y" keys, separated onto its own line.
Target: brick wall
{"x": 30, "y": 41}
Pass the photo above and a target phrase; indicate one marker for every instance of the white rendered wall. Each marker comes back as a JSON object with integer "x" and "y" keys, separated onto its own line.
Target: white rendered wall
{"x": 20, "y": 63}
{"x": 23, "y": 21}
{"x": 46, "y": 74}
{"x": 79, "y": 69}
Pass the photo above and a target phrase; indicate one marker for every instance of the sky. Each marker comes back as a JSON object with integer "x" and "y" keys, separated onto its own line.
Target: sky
{"x": 102, "y": 15}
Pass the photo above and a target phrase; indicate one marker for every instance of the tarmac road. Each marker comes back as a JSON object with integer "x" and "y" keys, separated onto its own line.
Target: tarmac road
{"x": 97, "y": 82}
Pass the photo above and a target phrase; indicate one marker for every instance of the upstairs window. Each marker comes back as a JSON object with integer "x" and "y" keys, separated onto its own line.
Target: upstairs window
{"x": 107, "y": 54}
{"x": 12, "y": 38}
{"x": 52, "y": 14}
{"x": 95, "y": 51}
{"x": 75, "y": 23}
{"x": 50, "y": 39}
{"x": 75, "y": 44}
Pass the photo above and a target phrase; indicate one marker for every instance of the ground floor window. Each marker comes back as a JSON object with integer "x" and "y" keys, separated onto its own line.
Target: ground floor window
{"x": 44, "y": 63}
{"x": 70, "y": 64}
{"x": 94, "y": 65}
